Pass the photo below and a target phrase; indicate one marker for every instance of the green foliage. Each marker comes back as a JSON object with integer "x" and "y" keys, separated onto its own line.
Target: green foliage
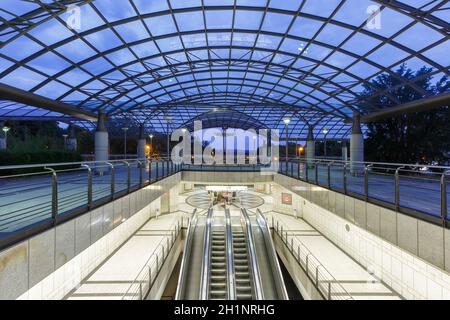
{"x": 417, "y": 137}
{"x": 23, "y": 157}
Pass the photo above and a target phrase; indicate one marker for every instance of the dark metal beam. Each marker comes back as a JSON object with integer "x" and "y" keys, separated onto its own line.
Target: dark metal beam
{"x": 414, "y": 106}
{"x": 31, "y": 99}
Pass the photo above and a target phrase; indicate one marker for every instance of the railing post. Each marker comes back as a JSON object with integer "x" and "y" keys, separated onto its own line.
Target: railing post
{"x": 366, "y": 181}
{"x": 298, "y": 169}
{"x": 443, "y": 199}
{"x": 344, "y": 178}
{"x": 141, "y": 173}
{"x": 307, "y": 264}
{"x": 156, "y": 168}
{"x": 329, "y": 290}
{"x": 292, "y": 169}
{"x": 317, "y": 277}
{"x": 150, "y": 171}
{"x": 397, "y": 189}
{"x": 306, "y": 172}
{"x": 89, "y": 189}
{"x": 129, "y": 177}
{"x": 140, "y": 291}
{"x": 317, "y": 172}
{"x": 54, "y": 195}
{"x": 113, "y": 180}
{"x": 329, "y": 174}
{"x": 149, "y": 277}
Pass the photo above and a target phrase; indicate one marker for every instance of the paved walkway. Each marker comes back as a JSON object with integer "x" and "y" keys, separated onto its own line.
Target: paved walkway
{"x": 352, "y": 276}
{"x": 113, "y": 278}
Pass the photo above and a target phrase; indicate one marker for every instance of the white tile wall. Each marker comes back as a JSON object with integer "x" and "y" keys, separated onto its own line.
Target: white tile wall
{"x": 407, "y": 274}
{"x": 63, "y": 280}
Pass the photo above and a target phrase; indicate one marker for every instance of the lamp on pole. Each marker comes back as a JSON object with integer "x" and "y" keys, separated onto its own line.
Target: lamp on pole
{"x": 5, "y": 130}
{"x": 325, "y": 132}
{"x": 168, "y": 119}
{"x": 125, "y": 129}
{"x": 286, "y": 123}
{"x": 151, "y": 145}
{"x": 65, "y": 141}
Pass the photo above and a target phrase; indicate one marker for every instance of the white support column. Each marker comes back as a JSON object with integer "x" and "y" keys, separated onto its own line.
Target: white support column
{"x": 72, "y": 140}
{"x": 101, "y": 139}
{"x": 356, "y": 147}
{"x": 310, "y": 147}
{"x": 142, "y": 142}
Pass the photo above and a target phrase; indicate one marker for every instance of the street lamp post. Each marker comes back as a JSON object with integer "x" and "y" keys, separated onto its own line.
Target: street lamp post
{"x": 125, "y": 129}
{"x": 151, "y": 145}
{"x": 168, "y": 119}
{"x": 286, "y": 123}
{"x": 325, "y": 132}
{"x": 5, "y": 130}
{"x": 65, "y": 141}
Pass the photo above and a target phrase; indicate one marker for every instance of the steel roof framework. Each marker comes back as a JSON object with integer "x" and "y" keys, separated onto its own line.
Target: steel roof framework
{"x": 226, "y": 70}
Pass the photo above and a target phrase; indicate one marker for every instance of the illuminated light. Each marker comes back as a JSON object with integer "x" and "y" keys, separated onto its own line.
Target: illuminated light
{"x": 287, "y": 121}
{"x": 226, "y": 188}
{"x": 147, "y": 147}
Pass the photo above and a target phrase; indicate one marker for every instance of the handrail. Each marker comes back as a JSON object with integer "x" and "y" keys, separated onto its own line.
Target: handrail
{"x": 186, "y": 255}
{"x": 324, "y": 281}
{"x": 253, "y": 261}
{"x": 205, "y": 274}
{"x": 366, "y": 162}
{"x": 261, "y": 220}
{"x": 231, "y": 285}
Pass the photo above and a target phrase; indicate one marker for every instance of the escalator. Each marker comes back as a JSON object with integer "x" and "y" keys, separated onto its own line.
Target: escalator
{"x": 267, "y": 278}
{"x": 229, "y": 258}
{"x": 244, "y": 290}
{"x": 218, "y": 269}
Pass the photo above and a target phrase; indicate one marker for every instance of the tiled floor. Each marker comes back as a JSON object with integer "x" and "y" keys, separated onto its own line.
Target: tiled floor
{"x": 115, "y": 275}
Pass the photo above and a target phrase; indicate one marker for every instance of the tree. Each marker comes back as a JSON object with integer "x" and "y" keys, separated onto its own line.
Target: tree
{"x": 417, "y": 137}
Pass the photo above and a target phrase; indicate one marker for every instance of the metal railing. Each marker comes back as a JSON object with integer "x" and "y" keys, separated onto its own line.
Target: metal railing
{"x": 325, "y": 283}
{"x": 181, "y": 286}
{"x": 253, "y": 261}
{"x": 417, "y": 190}
{"x": 36, "y": 197}
{"x": 231, "y": 285}
{"x": 143, "y": 283}
{"x": 206, "y": 263}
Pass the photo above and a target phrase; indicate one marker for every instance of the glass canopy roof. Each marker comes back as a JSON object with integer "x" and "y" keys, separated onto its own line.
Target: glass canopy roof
{"x": 142, "y": 60}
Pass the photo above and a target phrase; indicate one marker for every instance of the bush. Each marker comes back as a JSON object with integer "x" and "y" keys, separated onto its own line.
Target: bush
{"x": 8, "y": 158}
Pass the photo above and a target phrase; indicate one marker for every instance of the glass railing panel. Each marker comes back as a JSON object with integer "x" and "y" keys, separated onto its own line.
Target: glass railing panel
{"x": 25, "y": 200}
{"x": 72, "y": 189}
{"x": 420, "y": 193}
{"x": 337, "y": 177}
{"x": 381, "y": 184}
{"x": 101, "y": 181}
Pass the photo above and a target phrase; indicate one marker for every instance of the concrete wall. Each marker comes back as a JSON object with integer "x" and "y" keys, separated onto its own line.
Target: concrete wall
{"x": 402, "y": 251}
{"x": 225, "y": 177}
{"x": 51, "y": 263}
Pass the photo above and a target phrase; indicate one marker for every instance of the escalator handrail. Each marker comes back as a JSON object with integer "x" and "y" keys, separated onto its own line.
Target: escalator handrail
{"x": 272, "y": 255}
{"x": 205, "y": 274}
{"x": 231, "y": 285}
{"x": 257, "y": 285}
{"x": 187, "y": 253}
